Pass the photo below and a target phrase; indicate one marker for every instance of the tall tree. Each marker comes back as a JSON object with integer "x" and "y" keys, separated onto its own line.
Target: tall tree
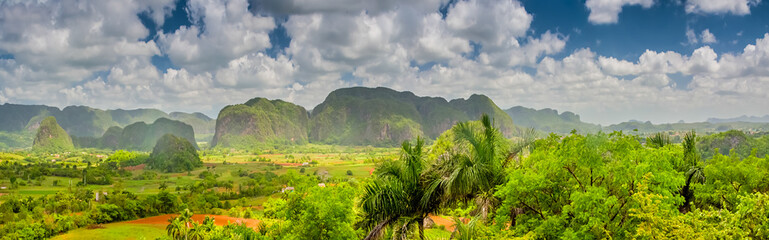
{"x": 399, "y": 196}
{"x": 475, "y": 166}
{"x": 693, "y": 168}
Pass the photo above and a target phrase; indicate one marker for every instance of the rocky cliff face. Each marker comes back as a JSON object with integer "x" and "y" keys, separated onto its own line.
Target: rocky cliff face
{"x": 261, "y": 121}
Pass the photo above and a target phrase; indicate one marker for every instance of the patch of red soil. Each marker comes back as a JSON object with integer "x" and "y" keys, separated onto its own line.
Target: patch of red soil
{"x": 441, "y": 221}
{"x": 137, "y": 167}
{"x": 220, "y": 220}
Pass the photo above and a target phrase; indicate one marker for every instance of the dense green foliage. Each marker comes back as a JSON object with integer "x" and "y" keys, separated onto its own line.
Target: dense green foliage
{"x": 260, "y": 122}
{"x": 313, "y": 212}
{"x": 548, "y": 120}
{"x": 592, "y": 186}
{"x": 174, "y": 154}
{"x": 382, "y": 116}
{"x": 51, "y": 138}
{"x": 44, "y": 217}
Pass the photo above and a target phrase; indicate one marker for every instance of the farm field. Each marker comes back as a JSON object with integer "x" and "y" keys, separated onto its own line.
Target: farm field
{"x": 117, "y": 231}
{"x": 327, "y": 162}
{"x": 154, "y": 227}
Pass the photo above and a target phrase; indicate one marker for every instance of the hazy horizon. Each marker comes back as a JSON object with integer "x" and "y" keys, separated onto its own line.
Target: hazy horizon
{"x": 608, "y": 61}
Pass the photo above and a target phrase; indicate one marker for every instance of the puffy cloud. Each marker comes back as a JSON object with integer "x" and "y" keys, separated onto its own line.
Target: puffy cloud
{"x": 607, "y": 11}
{"x": 736, "y": 7}
{"x": 181, "y": 81}
{"x": 223, "y": 30}
{"x": 491, "y": 23}
{"x": 72, "y": 39}
{"x": 617, "y": 67}
{"x": 76, "y": 54}
{"x": 528, "y": 54}
{"x": 708, "y": 37}
{"x": 321, "y": 49}
{"x": 437, "y": 43}
{"x": 288, "y": 7}
{"x": 257, "y": 71}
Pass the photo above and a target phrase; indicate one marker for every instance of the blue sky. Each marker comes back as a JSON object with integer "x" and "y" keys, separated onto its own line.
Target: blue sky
{"x": 607, "y": 60}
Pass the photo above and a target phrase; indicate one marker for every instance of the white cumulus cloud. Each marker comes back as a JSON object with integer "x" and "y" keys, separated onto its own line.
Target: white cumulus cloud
{"x": 607, "y": 11}
{"x": 736, "y": 7}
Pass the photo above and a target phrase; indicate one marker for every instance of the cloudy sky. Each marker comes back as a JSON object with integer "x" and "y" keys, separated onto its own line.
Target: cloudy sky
{"x": 607, "y": 60}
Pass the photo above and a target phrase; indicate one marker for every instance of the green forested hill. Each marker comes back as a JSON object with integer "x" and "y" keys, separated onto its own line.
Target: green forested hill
{"x": 261, "y": 121}
{"x": 138, "y": 136}
{"x": 733, "y": 142}
{"x": 548, "y": 120}
{"x": 19, "y": 121}
{"x": 382, "y": 116}
{"x": 174, "y": 154}
{"x": 51, "y": 137}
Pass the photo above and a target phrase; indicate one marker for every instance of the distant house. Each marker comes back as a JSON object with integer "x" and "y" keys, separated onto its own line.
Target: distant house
{"x": 102, "y": 193}
{"x": 305, "y": 164}
{"x": 321, "y": 185}
{"x": 287, "y": 189}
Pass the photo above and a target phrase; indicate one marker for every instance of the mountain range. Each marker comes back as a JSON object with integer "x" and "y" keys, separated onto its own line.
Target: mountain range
{"x": 347, "y": 116}
{"x": 743, "y": 118}
{"x": 351, "y": 116}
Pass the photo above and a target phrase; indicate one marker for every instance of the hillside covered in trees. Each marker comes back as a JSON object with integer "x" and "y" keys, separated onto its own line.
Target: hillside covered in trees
{"x": 385, "y": 116}
{"x": 17, "y": 121}
{"x": 351, "y": 116}
{"x": 51, "y": 137}
{"x": 138, "y": 136}
{"x": 260, "y": 121}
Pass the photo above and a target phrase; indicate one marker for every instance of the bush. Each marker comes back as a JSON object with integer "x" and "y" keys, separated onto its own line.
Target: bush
{"x": 349, "y": 172}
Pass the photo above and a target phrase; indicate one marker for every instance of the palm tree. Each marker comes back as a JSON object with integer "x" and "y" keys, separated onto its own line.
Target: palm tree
{"x": 465, "y": 231}
{"x": 398, "y": 197}
{"x": 694, "y": 173}
{"x": 176, "y": 229}
{"x": 658, "y": 140}
{"x": 476, "y": 168}
{"x": 197, "y": 232}
{"x": 179, "y": 227}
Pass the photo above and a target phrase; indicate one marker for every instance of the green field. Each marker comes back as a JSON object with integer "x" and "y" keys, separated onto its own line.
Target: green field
{"x": 115, "y": 231}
